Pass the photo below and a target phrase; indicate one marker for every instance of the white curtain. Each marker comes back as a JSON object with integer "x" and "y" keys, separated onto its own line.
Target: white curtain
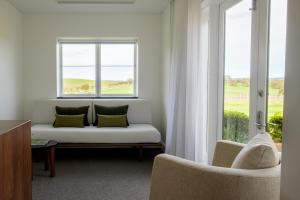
{"x": 187, "y": 112}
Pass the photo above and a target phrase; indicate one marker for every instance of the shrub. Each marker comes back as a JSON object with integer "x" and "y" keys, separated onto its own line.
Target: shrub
{"x": 85, "y": 87}
{"x": 275, "y": 127}
{"x": 236, "y": 126}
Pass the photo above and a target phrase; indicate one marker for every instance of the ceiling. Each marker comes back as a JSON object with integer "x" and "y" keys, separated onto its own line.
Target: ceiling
{"x": 51, "y": 6}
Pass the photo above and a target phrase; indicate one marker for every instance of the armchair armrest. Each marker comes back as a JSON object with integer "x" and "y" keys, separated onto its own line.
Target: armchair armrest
{"x": 225, "y": 153}
{"x": 177, "y": 179}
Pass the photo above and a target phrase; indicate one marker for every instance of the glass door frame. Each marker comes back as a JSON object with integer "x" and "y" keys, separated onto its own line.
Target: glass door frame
{"x": 259, "y": 65}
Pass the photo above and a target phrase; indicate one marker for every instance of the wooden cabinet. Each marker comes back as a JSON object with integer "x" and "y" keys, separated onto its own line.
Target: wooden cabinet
{"x": 15, "y": 160}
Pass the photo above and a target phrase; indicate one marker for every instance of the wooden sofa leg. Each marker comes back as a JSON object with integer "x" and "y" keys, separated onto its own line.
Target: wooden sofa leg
{"x": 140, "y": 156}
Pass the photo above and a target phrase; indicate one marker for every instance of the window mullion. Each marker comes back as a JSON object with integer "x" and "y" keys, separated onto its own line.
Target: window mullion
{"x": 61, "y": 87}
{"x": 98, "y": 71}
{"x": 135, "y": 76}
{"x": 99, "y": 68}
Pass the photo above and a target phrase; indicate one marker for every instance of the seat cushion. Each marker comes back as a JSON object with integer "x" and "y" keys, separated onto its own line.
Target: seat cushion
{"x": 259, "y": 153}
{"x": 134, "y": 133}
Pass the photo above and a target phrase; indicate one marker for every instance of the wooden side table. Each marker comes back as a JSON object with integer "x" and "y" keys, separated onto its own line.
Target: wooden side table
{"x": 49, "y": 150}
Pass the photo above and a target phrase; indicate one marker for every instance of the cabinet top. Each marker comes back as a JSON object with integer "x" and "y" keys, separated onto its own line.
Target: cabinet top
{"x": 7, "y": 125}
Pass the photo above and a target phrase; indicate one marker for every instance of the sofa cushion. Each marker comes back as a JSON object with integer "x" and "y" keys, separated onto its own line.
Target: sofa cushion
{"x": 74, "y": 111}
{"x": 111, "y": 110}
{"x": 139, "y": 110}
{"x": 259, "y": 153}
{"x": 69, "y": 121}
{"x": 134, "y": 133}
{"x": 112, "y": 121}
{"x": 44, "y": 110}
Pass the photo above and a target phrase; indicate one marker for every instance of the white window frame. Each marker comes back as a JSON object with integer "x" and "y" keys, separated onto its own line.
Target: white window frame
{"x": 259, "y": 52}
{"x": 215, "y": 70}
{"x": 98, "y": 43}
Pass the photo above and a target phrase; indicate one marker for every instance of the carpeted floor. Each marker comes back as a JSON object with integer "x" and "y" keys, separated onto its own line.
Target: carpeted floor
{"x": 97, "y": 175}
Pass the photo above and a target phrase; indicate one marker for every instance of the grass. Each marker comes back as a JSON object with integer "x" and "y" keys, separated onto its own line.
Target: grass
{"x": 237, "y": 99}
{"x": 236, "y": 95}
{"x": 83, "y": 86}
{"x": 117, "y": 87}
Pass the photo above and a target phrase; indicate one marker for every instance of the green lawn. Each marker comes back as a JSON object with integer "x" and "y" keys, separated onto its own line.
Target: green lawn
{"x": 236, "y": 104}
{"x": 237, "y": 99}
{"x": 236, "y": 93}
{"x": 83, "y": 86}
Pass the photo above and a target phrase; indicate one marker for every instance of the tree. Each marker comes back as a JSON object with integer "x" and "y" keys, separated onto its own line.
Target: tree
{"x": 85, "y": 87}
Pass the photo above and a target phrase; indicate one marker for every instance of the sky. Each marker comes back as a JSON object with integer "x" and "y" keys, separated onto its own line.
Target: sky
{"x": 238, "y": 39}
{"x": 117, "y": 60}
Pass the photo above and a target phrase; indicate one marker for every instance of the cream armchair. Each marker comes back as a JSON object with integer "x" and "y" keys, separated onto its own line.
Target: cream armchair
{"x": 174, "y": 178}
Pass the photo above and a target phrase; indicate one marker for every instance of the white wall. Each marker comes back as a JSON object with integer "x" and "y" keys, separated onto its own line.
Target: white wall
{"x": 291, "y": 130}
{"x": 166, "y": 53}
{"x": 11, "y": 104}
{"x": 42, "y": 30}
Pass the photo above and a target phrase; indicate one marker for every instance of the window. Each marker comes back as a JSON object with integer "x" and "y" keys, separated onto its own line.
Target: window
{"x": 97, "y": 68}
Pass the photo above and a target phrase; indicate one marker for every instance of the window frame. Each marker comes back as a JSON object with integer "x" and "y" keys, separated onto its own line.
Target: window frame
{"x": 97, "y": 43}
{"x": 259, "y": 72}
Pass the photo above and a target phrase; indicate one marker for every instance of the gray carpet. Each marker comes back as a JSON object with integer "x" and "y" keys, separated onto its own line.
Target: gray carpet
{"x": 108, "y": 178}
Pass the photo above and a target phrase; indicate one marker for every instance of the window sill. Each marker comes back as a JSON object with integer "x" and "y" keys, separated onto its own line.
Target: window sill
{"x": 97, "y": 97}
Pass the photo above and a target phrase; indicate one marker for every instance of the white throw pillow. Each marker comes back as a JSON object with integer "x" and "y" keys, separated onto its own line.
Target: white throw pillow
{"x": 259, "y": 153}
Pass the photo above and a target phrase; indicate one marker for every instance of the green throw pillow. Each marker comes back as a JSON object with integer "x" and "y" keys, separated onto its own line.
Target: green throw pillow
{"x": 104, "y": 110}
{"x": 69, "y": 121}
{"x": 112, "y": 121}
{"x": 74, "y": 111}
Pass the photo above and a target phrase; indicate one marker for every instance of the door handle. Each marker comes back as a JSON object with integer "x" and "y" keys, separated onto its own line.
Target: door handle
{"x": 259, "y": 120}
{"x": 261, "y": 125}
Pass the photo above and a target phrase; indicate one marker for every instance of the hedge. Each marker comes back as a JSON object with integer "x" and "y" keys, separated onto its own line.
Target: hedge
{"x": 275, "y": 127}
{"x": 236, "y": 126}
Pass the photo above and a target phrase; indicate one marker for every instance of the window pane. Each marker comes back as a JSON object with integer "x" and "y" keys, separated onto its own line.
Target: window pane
{"x": 78, "y": 69}
{"x": 117, "y": 69}
{"x": 278, "y": 17}
{"x": 117, "y": 80}
{"x": 237, "y": 72}
{"x": 117, "y": 54}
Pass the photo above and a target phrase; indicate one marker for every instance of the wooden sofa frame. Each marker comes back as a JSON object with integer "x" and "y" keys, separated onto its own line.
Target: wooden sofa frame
{"x": 139, "y": 146}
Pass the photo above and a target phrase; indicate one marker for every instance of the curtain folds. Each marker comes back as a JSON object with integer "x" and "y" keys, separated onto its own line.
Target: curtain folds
{"x": 187, "y": 112}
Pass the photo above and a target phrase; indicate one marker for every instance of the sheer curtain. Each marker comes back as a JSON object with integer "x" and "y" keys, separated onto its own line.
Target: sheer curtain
{"x": 187, "y": 113}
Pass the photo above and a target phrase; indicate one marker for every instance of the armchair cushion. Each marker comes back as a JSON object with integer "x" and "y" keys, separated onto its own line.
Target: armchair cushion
{"x": 225, "y": 153}
{"x": 259, "y": 153}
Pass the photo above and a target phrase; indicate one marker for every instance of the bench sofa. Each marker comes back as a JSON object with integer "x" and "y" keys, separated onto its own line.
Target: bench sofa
{"x": 139, "y": 134}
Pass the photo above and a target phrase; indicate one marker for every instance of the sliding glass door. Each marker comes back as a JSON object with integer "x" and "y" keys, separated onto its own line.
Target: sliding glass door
{"x": 251, "y": 66}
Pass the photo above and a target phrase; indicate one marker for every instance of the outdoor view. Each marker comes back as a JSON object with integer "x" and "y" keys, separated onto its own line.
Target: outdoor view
{"x": 277, "y": 43}
{"x": 116, "y": 71}
{"x": 79, "y": 69}
{"x": 238, "y": 66}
